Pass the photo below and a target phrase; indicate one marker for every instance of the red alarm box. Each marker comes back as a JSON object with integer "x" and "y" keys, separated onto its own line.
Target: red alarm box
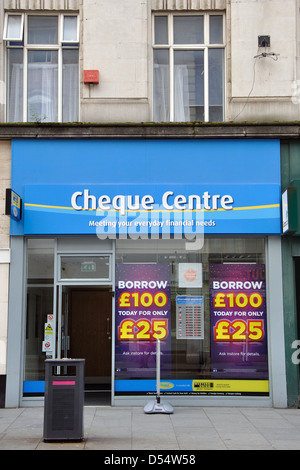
{"x": 91, "y": 76}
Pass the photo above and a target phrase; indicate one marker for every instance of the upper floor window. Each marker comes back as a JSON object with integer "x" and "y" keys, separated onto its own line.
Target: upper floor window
{"x": 42, "y": 67}
{"x": 188, "y": 61}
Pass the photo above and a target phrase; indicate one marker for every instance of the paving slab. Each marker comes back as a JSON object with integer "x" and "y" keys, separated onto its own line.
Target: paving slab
{"x": 117, "y": 430}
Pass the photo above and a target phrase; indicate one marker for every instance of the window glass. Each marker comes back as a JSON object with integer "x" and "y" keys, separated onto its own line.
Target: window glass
{"x": 14, "y": 28}
{"x": 40, "y": 275}
{"x": 70, "y": 29}
{"x": 161, "y": 30}
{"x": 216, "y": 84}
{"x": 42, "y": 29}
{"x": 203, "y": 299}
{"x": 42, "y": 86}
{"x": 70, "y": 85}
{"x": 188, "y": 30}
{"x": 161, "y": 82}
{"x": 15, "y": 85}
{"x": 85, "y": 267}
{"x": 216, "y": 29}
{"x": 188, "y": 86}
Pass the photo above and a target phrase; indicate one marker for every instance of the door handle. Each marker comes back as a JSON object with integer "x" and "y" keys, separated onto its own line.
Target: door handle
{"x": 65, "y": 342}
{"x": 108, "y": 328}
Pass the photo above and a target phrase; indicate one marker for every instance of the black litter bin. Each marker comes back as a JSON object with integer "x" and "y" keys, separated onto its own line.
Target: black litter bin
{"x": 64, "y": 399}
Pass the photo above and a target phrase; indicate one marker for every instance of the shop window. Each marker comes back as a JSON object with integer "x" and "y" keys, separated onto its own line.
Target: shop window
{"x": 188, "y": 73}
{"x": 42, "y": 67}
{"x": 39, "y": 306}
{"x": 207, "y": 307}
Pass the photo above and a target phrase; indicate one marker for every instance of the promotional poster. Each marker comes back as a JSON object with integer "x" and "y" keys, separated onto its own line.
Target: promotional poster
{"x": 143, "y": 315}
{"x": 238, "y": 321}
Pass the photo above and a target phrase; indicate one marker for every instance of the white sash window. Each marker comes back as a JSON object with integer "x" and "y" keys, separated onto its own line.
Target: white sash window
{"x": 188, "y": 67}
{"x": 43, "y": 68}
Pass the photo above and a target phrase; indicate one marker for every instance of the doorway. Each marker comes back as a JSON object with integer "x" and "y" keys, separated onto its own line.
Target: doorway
{"x": 87, "y": 334}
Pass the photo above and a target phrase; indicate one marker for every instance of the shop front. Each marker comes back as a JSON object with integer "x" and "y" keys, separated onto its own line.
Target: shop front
{"x": 124, "y": 243}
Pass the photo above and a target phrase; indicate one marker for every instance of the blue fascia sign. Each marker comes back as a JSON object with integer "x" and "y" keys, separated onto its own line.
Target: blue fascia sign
{"x": 148, "y": 189}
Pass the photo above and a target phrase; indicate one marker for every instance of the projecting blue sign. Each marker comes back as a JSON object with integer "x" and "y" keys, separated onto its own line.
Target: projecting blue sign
{"x": 135, "y": 189}
{"x": 13, "y": 204}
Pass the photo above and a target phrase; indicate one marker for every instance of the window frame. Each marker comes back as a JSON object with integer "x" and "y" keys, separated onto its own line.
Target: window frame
{"x": 5, "y": 30}
{"x": 26, "y": 47}
{"x": 63, "y": 41}
{"x": 171, "y": 46}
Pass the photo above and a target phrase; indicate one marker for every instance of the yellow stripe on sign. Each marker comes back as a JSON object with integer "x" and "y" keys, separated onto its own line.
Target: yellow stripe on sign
{"x": 268, "y": 206}
{"x": 231, "y": 386}
{"x": 47, "y": 207}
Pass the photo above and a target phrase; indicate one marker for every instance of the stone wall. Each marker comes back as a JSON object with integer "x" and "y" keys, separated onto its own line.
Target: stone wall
{"x": 5, "y": 171}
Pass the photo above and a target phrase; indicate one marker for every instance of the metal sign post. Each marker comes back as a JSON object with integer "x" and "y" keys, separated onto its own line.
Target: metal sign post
{"x": 156, "y": 406}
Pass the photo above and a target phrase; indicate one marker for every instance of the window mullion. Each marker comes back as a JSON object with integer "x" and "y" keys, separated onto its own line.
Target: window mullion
{"x": 25, "y": 84}
{"x": 171, "y": 64}
{"x": 25, "y": 69}
{"x": 60, "y": 87}
{"x": 60, "y": 66}
{"x": 206, "y": 28}
{"x": 206, "y": 77}
{"x": 172, "y": 79}
{"x": 206, "y": 85}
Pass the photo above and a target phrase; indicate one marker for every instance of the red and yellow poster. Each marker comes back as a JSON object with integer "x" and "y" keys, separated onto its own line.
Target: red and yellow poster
{"x": 238, "y": 321}
{"x": 143, "y": 315}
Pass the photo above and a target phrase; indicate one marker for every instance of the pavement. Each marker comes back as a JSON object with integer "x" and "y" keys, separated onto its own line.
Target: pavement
{"x": 125, "y": 429}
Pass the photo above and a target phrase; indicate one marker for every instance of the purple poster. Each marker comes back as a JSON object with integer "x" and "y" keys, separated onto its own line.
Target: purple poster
{"x": 238, "y": 321}
{"x": 143, "y": 315}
